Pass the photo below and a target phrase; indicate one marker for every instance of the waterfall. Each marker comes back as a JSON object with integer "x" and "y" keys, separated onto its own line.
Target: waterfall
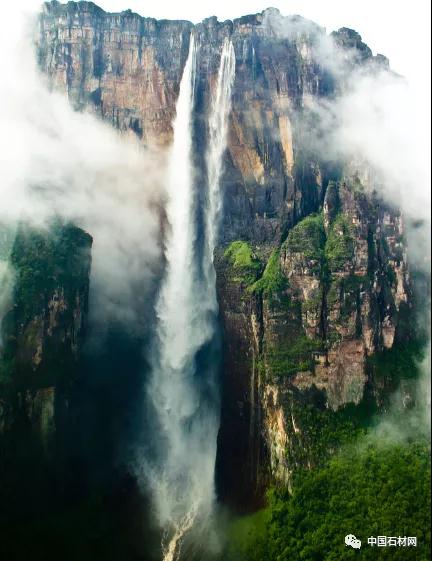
{"x": 218, "y": 130}
{"x": 184, "y": 393}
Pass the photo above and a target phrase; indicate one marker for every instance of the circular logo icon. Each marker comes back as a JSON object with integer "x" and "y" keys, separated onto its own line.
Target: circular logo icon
{"x": 352, "y": 541}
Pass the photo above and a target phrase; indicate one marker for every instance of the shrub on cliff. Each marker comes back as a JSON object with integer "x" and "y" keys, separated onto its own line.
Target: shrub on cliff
{"x": 308, "y": 237}
{"x": 273, "y": 280}
{"x": 339, "y": 248}
{"x": 245, "y": 263}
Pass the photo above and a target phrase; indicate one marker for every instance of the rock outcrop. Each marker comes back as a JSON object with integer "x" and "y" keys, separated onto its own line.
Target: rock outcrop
{"x": 43, "y": 327}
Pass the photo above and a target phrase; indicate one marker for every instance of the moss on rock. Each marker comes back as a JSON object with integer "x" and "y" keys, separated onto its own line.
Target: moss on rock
{"x": 273, "y": 280}
{"x": 307, "y": 237}
{"x": 289, "y": 358}
{"x": 339, "y": 247}
{"x": 244, "y": 261}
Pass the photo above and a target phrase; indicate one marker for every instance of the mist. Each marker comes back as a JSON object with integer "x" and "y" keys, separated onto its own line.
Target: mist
{"x": 382, "y": 134}
{"x": 376, "y": 124}
{"x": 59, "y": 163}
{"x": 179, "y": 465}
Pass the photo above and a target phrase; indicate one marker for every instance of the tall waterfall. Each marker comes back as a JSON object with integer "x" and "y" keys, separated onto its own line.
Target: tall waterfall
{"x": 218, "y": 130}
{"x": 183, "y": 391}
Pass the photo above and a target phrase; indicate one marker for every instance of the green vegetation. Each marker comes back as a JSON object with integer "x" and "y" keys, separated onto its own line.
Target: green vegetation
{"x": 332, "y": 196}
{"x": 246, "y": 264}
{"x": 293, "y": 357}
{"x": 45, "y": 260}
{"x": 332, "y": 252}
{"x": 244, "y": 533}
{"x": 7, "y": 236}
{"x": 391, "y": 275}
{"x": 314, "y": 302}
{"x": 344, "y": 291}
{"x": 356, "y": 485}
{"x": 356, "y": 185}
{"x": 7, "y": 367}
{"x": 401, "y": 362}
{"x": 241, "y": 255}
{"x": 371, "y": 491}
{"x": 308, "y": 237}
{"x": 339, "y": 247}
{"x": 323, "y": 432}
{"x": 272, "y": 280}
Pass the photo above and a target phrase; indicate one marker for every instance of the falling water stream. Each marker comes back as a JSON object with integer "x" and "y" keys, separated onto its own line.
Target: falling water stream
{"x": 218, "y": 130}
{"x": 184, "y": 394}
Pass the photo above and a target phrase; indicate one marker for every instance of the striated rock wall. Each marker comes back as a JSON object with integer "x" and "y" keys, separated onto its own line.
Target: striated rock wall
{"x": 127, "y": 69}
{"x": 303, "y": 323}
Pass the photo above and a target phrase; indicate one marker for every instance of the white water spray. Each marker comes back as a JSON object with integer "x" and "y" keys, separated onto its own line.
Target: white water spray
{"x": 218, "y": 130}
{"x": 183, "y": 394}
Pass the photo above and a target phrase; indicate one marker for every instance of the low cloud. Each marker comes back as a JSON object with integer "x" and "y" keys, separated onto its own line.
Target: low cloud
{"x": 376, "y": 123}
{"x": 57, "y": 162}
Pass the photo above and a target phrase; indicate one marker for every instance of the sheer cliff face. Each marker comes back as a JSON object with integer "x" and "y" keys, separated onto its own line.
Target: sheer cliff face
{"x": 128, "y": 69}
{"x": 321, "y": 281}
{"x": 299, "y": 328}
{"x": 43, "y": 326}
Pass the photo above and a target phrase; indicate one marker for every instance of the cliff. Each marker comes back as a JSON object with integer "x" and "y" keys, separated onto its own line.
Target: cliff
{"x": 127, "y": 69}
{"x": 43, "y": 325}
{"x": 301, "y": 326}
{"x": 312, "y": 271}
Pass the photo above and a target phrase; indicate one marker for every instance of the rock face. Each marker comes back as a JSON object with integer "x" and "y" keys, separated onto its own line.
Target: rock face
{"x": 316, "y": 280}
{"x": 127, "y": 69}
{"x": 299, "y": 331}
{"x": 43, "y": 329}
